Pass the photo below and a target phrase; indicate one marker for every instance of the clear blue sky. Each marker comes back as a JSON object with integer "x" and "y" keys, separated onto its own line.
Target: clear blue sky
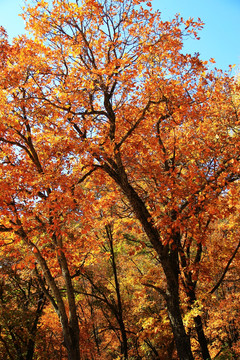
{"x": 220, "y": 38}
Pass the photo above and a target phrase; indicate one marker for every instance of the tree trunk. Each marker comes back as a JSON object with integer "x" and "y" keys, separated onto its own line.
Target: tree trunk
{"x": 168, "y": 258}
{"x": 190, "y": 289}
{"x": 169, "y": 261}
{"x": 73, "y": 335}
{"x": 181, "y": 339}
{"x": 69, "y": 323}
{"x": 31, "y": 343}
{"x": 124, "y": 344}
{"x": 201, "y": 338}
{"x": 71, "y": 344}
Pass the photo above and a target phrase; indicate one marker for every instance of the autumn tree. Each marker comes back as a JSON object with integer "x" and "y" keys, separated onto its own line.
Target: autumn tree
{"x": 103, "y": 93}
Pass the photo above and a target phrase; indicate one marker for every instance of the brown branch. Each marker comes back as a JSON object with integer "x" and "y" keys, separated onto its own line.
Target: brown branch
{"x": 157, "y": 288}
{"x": 226, "y": 270}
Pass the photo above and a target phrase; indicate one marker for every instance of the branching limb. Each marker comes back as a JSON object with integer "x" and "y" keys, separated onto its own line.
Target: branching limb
{"x": 225, "y": 270}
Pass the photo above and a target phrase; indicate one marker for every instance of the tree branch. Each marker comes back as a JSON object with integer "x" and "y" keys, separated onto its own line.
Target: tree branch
{"x": 226, "y": 269}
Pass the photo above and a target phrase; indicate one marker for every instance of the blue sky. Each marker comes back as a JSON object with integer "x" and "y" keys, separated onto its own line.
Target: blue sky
{"x": 219, "y": 38}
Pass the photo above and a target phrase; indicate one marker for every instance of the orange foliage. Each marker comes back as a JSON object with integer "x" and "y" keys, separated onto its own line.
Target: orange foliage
{"x": 117, "y": 148}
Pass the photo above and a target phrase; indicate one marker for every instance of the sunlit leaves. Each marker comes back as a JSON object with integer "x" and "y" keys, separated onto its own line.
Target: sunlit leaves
{"x": 117, "y": 149}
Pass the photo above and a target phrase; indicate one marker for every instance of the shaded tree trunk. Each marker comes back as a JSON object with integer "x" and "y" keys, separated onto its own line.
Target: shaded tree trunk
{"x": 168, "y": 258}
{"x": 169, "y": 261}
{"x": 39, "y": 311}
{"x": 202, "y": 338}
{"x": 199, "y": 327}
{"x": 190, "y": 287}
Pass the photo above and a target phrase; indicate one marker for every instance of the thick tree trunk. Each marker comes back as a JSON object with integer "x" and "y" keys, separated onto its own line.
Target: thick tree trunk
{"x": 169, "y": 261}
{"x": 181, "y": 339}
{"x": 168, "y": 258}
{"x": 73, "y": 353}
{"x": 71, "y": 343}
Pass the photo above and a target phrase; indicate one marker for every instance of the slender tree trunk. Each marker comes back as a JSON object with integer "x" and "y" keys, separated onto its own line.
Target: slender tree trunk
{"x": 31, "y": 343}
{"x": 199, "y": 326}
{"x": 73, "y": 336}
{"x": 124, "y": 345}
{"x": 201, "y": 338}
{"x": 69, "y": 323}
